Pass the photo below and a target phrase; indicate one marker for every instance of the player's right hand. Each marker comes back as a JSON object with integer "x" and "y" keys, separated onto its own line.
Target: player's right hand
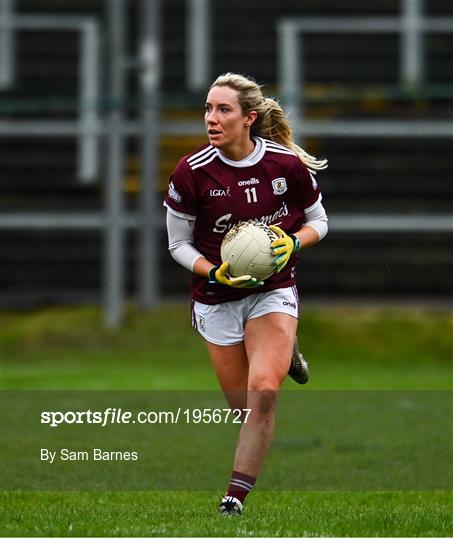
{"x": 219, "y": 274}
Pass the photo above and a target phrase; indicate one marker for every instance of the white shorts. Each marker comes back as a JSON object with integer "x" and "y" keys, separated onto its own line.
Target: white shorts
{"x": 224, "y": 324}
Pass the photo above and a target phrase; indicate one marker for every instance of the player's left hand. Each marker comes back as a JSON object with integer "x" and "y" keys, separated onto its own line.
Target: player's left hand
{"x": 283, "y": 247}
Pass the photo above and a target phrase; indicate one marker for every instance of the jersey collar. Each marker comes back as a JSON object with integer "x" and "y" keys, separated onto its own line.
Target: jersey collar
{"x": 251, "y": 159}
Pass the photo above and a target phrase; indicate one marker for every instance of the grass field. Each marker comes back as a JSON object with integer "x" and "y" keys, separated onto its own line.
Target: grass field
{"x": 350, "y": 349}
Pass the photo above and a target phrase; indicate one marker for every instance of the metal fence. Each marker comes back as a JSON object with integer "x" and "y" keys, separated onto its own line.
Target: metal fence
{"x": 90, "y": 126}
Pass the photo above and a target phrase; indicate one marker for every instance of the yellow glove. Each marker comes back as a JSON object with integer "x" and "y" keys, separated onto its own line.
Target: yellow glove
{"x": 283, "y": 247}
{"x": 219, "y": 274}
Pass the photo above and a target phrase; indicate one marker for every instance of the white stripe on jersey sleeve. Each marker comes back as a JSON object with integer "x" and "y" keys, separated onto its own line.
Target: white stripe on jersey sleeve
{"x": 202, "y": 158}
{"x": 276, "y": 146}
{"x": 200, "y": 154}
{"x": 278, "y": 151}
{"x": 208, "y": 160}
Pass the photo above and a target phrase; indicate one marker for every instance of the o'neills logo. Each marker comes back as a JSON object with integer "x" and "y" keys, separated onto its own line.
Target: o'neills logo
{"x": 223, "y": 224}
{"x": 290, "y": 304}
{"x": 250, "y": 182}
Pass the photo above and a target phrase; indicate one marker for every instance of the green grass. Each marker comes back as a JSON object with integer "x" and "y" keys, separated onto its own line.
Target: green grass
{"x": 194, "y": 514}
{"x": 349, "y": 349}
{"x": 362, "y": 348}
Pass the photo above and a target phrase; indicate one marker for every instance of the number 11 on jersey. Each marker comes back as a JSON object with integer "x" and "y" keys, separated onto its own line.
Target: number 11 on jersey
{"x": 251, "y": 195}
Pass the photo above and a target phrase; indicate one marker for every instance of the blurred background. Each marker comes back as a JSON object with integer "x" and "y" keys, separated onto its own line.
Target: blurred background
{"x": 100, "y": 98}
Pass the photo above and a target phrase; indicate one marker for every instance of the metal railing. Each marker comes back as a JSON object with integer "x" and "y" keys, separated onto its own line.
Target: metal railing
{"x": 86, "y": 127}
{"x": 358, "y": 223}
{"x": 89, "y": 127}
{"x": 291, "y": 75}
{"x": 7, "y": 45}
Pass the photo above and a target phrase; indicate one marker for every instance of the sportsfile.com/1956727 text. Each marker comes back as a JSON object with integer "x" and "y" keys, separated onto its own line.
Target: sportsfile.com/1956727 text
{"x": 112, "y": 415}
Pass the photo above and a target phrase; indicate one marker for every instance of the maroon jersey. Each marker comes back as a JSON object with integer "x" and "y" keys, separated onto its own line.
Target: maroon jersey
{"x": 271, "y": 186}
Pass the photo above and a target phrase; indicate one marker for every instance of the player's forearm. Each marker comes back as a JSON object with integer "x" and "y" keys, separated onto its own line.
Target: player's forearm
{"x": 202, "y": 266}
{"x": 186, "y": 255}
{"x": 308, "y": 236}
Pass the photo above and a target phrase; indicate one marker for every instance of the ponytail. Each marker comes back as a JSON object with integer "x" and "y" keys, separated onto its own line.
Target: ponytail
{"x": 271, "y": 122}
{"x": 274, "y": 126}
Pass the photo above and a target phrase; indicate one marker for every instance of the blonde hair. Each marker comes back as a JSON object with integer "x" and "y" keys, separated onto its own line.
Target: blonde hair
{"x": 271, "y": 122}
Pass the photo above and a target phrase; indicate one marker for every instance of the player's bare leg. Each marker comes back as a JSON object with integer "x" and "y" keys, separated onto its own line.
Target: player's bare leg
{"x": 231, "y": 367}
{"x": 269, "y": 344}
{"x": 251, "y": 376}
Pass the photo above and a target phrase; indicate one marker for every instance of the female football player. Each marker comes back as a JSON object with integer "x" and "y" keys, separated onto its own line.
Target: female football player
{"x": 249, "y": 170}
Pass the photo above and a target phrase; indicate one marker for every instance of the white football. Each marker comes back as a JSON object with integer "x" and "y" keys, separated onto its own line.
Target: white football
{"x": 247, "y": 249}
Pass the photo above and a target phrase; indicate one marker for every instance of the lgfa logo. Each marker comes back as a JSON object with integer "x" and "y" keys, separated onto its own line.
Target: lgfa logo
{"x": 220, "y": 192}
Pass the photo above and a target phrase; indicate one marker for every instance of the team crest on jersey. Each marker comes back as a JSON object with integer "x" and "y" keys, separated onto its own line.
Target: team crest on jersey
{"x": 279, "y": 186}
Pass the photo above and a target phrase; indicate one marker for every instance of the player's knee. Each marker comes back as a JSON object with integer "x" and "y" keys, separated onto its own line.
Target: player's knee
{"x": 266, "y": 401}
{"x": 262, "y": 401}
{"x": 264, "y": 381}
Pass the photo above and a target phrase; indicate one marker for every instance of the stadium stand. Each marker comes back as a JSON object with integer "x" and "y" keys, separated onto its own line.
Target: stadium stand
{"x": 348, "y": 78}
